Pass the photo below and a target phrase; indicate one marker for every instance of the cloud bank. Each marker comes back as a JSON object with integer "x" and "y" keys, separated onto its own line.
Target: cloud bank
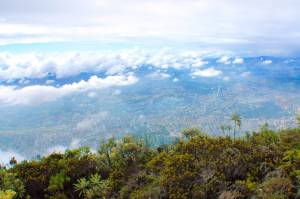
{"x": 35, "y": 78}
{"x": 209, "y": 72}
{"x": 269, "y": 27}
{"x": 35, "y": 94}
{"x": 34, "y": 65}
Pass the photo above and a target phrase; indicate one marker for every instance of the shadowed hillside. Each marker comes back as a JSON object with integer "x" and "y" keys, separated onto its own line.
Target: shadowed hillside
{"x": 263, "y": 164}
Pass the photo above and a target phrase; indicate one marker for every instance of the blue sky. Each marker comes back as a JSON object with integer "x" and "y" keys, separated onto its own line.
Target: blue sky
{"x": 269, "y": 27}
{"x": 68, "y": 37}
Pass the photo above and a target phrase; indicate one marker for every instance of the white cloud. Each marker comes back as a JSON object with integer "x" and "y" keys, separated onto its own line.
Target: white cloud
{"x": 159, "y": 75}
{"x": 50, "y": 82}
{"x": 267, "y": 62}
{"x": 18, "y": 66}
{"x": 224, "y": 60}
{"x": 175, "y": 80}
{"x": 209, "y": 72}
{"x": 92, "y": 94}
{"x": 246, "y": 74}
{"x": 198, "y": 63}
{"x": 10, "y": 95}
{"x": 224, "y": 22}
{"x": 238, "y": 61}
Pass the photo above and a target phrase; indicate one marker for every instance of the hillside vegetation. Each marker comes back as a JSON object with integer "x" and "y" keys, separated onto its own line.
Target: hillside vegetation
{"x": 260, "y": 165}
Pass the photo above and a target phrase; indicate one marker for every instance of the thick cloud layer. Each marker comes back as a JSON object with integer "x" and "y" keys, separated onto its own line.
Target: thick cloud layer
{"x": 15, "y": 66}
{"x": 36, "y": 78}
{"x": 254, "y": 27}
{"x": 35, "y": 94}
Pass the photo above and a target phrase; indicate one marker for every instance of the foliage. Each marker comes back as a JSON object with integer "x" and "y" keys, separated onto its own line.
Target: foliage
{"x": 7, "y": 194}
{"x": 261, "y": 165}
{"x": 237, "y": 123}
{"x": 230, "y": 195}
{"x": 276, "y": 187}
{"x": 93, "y": 187}
{"x": 11, "y": 185}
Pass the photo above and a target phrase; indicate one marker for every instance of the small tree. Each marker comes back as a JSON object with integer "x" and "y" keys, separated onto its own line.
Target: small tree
{"x": 93, "y": 187}
{"x": 298, "y": 119}
{"x": 223, "y": 128}
{"x": 237, "y": 123}
{"x": 106, "y": 149}
{"x": 228, "y": 128}
{"x": 13, "y": 161}
{"x": 192, "y": 132}
{"x": 82, "y": 186}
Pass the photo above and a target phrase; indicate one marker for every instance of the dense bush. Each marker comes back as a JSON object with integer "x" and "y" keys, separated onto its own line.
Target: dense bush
{"x": 262, "y": 165}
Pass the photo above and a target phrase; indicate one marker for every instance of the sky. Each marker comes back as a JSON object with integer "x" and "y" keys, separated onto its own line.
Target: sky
{"x": 269, "y": 27}
{"x": 39, "y": 77}
{"x": 47, "y": 47}
{"x": 116, "y": 36}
